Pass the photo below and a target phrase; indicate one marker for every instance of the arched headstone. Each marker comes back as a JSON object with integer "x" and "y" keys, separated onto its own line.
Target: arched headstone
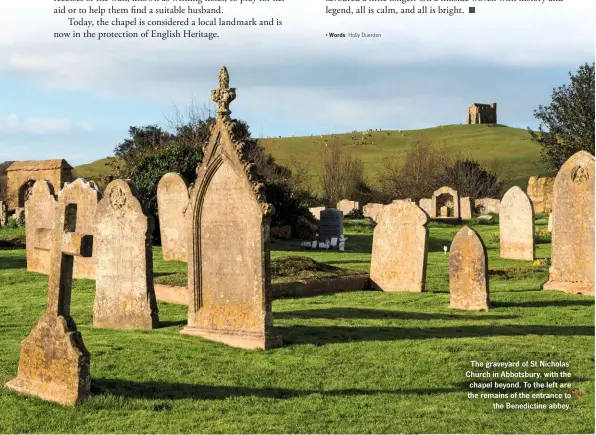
{"x": 400, "y": 248}
{"x": 331, "y": 224}
{"x": 172, "y": 201}
{"x": 39, "y": 213}
{"x": 516, "y": 225}
{"x": 572, "y": 250}
{"x": 445, "y": 190}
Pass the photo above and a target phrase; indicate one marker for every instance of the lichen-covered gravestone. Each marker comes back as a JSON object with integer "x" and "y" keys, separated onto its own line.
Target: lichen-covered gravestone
{"x": 172, "y": 201}
{"x": 229, "y": 276}
{"x": 372, "y": 210}
{"x": 468, "y": 272}
{"x": 54, "y": 363}
{"x": 465, "y": 207}
{"x": 124, "y": 293}
{"x": 39, "y": 213}
{"x": 516, "y": 225}
{"x": 572, "y": 250}
{"x": 400, "y": 248}
{"x": 346, "y": 206}
{"x": 426, "y": 205}
{"x": 85, "y": 195}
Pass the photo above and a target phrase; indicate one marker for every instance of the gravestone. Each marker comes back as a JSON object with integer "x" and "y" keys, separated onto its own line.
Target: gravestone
{"x": 346, "y": 206}
{"x": 550, "y": 222}
{"x": 172, "y": 201}
{"x": 331, "y": 224}
{"x": 436, "y": 202}
{"x": 124, "y": 293}
{"x": 229, "y": 283}
{"x": 85, "y": 195}
{"x": 468, "y": 272}
{"x": 572, "y": 249}
{"x": 516, "y": 225}
{"x": 39, "y": 213}
{"x": 426, "y": 205}
{"x": 316, "y": 211}
{"x": 3, "y": 214}
{"x": 372, "y": 210}
{"x": 540, "y": 191}
{"x": 444, "y": 212}
{"x": 400, "y": 248}
{"x": 54, "y": 363}
{"x": 487, "y": 205}
{"x": 465, "y": 208}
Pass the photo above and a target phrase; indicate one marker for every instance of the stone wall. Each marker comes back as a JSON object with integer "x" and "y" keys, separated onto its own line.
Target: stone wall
{"x": 482, "y": 113}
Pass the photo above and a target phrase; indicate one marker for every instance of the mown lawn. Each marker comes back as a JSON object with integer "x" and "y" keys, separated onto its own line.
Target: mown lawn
{"x": 358, "y": 362}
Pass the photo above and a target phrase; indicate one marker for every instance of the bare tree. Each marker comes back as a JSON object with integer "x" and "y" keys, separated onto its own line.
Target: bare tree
{"x": 342, "y": 174}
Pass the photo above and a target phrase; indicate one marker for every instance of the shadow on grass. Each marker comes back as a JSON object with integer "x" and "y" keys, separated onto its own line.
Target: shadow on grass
{"x": 436, "y": 244}
{"x": 177, "y": 390}
{"x": 363, "y": 313}
{"x": 168, "y": 323}
{"x": 320, "y": 336}
{"x": 570, "y": 303}
{"x": 356, "y": 243}
{"x": 13, "y": 263}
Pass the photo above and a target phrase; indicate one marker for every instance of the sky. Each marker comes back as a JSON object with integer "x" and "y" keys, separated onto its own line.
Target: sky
{"x": 76, "y": 98}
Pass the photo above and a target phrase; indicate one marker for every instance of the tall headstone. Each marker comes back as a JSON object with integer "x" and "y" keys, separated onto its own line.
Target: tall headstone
{"x": 465, "y": 208}
{"x": 229, "y": 276}
{"x": 39, "y": 213}
{"x": 468, "y": 272}
{"x": 516, "y": 225}
{"x": 172, "y": 201}
{"x": 572, "y": 249}
{"x": 400, "y": 248}
{"x": 426, "y": 205}
{"x": 124, "y": 293}
{"x": 346, "y": 206}
{"x": 452, "y": 201}
{"x": 54, "y": 363}
{"x": 331, "y": 224}
{"x": 3, "y": 213}
{"x": 85, "y": 195}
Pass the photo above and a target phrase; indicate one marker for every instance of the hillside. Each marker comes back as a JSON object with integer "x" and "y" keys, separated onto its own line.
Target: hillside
{"x": 517, "y": 156}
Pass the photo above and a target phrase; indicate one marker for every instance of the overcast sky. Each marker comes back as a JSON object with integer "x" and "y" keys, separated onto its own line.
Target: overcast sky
{"x": 75, "y": 99}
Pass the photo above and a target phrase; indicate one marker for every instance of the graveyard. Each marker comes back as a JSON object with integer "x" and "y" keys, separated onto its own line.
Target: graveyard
{"x": 373, "y": 320}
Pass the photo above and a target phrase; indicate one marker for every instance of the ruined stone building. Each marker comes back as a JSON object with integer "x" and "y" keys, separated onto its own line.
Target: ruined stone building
{"x": 21, "y": 176}
{"x": 482, "y": 113}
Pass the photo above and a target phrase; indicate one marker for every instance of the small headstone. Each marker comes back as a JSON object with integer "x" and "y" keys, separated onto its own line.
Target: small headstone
{"x": 314, "y": 244}
{"x": 516, "y": 225}
{"x": 54, "y": 363}
{"x": 400, "y": 248}
{"x": 465, "y": 208}
{"x": 316, "y": 211}
{"x": 172, "y": 201}
{"x": 331, "y": 224}
{"x": 572, "y": 248}
{"x": 372, "y": 210}
{"x": 485, "y": 217}
{"x": 342, "y": 243}
{"x": 487, "y": 205}
{"x": 346, "y": 206}
{"x": 550, "y": 222}
{"x": 124, "y": 293}
{"x": 333, "y": 242}
{"x": 468, "y": 272}
{"x": 444, "y": 212}
{"x": 39, "y": 213}
{"x": 426, "y": 205}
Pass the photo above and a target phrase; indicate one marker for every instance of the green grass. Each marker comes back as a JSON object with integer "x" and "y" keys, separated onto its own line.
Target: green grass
{"x": 354, "y": 362}
{"x": 95, "y": 170}
{"x": 517, "y": 155}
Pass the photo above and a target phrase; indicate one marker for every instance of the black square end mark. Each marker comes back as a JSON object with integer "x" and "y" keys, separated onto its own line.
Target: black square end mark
{"x": 472, "y": 10}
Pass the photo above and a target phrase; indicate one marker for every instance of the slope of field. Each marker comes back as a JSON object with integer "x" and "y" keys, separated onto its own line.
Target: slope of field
{"x": 516, "y": 155}
{"x": 95, "y": 170}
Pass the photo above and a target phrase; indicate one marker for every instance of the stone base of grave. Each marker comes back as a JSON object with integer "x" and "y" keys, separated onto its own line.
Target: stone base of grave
{"x": 54, "y": 363}
{"x": 148, "y": 322}
{"x": 467, "y": 307}
{"x": 576, "y": 288}
{"x": 238, "y": 339}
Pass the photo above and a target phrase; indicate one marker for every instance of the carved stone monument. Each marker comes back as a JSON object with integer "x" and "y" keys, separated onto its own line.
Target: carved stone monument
{"x": 229, "y": 283}
{"x": 445, "y": 197}
{"x": 172, "y": 201}
{"x": 572, "y": 250}
{"x": 124, "y": 293}
{"x": 54, "y": 363}
{"x": 400, "y": 248}
{"x": 516, "y": 225}
{"x": 468, "y": 272}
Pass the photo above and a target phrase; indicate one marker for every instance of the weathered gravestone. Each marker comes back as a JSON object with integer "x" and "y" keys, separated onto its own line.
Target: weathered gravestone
{"x": 540, "y": 191}
{"x": 172, "y": 201}
{"x": 468, "y": 272}
{"x": 124, "y": 293}
{"x": 487, "y": 205}
{"x": 229, "y": 283}
{"x": 372, "y": 210}
{"x": 426, "y": 205}
{"x": 54, "y": 363}
{"x": 516, "y": 225}
{"x": 572, "y": 249}
{"x": 331, "y": 224}
{"x": 400, "y": 248}
{"x": 346, "y": 206}
{"x": 316, "y": 211}
{"x": 550, "y": 222}
{"x": 3, "y": 213}
{"x": 465, "y": 208}
{"x": 39, "y": 214}
{"x": 85, "y": 195}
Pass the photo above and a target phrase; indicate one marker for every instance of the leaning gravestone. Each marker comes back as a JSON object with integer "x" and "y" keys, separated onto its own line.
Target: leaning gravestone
{"x": 85, "y": 195}
{"x": 465, "y": 208}
{"x": 124, "y": 293}
{"x": 54, "y": 363}
{"x": 468, "y": 272}
{"x": 39, "y": 213}
{"x": 229, "y": 276}
{"x": 172, "y": 201}
{"x": 331, "y": 224}
{"x": 400, "y": 248}
{"x": 572, "y": 250}
{"x": 516, "y": 225}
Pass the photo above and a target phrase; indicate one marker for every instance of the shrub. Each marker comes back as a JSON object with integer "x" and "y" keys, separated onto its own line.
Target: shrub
{"x": 11, "y": 223}
{"x": 542, "y": 236}
{"x": 354, "y": 214}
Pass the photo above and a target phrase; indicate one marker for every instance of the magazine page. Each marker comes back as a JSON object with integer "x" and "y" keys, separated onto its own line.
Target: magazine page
{"x": 297, "y": 216}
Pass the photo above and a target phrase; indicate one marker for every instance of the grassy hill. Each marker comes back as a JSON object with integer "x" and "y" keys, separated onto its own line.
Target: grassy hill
{"x": 517, "y": 155}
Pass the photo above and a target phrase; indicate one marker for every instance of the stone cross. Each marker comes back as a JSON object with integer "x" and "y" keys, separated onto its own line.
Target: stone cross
{"x": 54, "y": 363}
